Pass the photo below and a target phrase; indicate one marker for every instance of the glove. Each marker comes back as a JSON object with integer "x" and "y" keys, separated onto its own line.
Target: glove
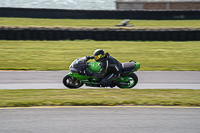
{"x": 89, "y": 57}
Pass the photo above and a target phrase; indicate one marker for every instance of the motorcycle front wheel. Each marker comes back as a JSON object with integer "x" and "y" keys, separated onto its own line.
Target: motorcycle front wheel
{"x": 72, "y": 82}
{"x": 133, "y": 80}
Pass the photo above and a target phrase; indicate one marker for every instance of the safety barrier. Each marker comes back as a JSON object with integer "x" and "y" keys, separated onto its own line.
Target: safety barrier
{"x": 99, "y": 14}
{"x": 98, "y": 34}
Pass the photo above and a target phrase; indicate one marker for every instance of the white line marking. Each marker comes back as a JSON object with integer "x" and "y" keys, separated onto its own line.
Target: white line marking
{"x": 48, "y": 107}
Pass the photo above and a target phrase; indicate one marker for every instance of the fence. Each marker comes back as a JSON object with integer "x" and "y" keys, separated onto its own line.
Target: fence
{"x": 99, "y": 14}
{"x": 101, "y": 35}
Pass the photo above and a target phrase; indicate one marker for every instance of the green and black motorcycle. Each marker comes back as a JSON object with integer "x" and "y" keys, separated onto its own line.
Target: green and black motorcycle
{"x": 78, "y": 75}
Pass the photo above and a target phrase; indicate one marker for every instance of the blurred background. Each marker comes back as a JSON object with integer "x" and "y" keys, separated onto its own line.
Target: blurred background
{"x": 61, "y": 4}
{"x": 45, "y": 34}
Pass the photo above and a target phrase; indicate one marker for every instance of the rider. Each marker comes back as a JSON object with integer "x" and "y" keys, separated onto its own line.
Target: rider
{"x": 108, "y": 64}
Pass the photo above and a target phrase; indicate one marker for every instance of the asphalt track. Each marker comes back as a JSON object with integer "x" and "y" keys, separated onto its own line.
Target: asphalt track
{"x": 126, "y": 119}
{"x": 100, "y": 120}
{"x": 53, "y": 80}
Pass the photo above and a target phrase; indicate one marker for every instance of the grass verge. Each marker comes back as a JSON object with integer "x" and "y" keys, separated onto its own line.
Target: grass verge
{"x": 99, "y": 23}
{"x": 58, "y": 55}
{"x": 100, "y": 97}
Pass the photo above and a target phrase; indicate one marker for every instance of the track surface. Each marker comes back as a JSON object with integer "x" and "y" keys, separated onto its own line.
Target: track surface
{"x": 53, "y": 80}
{"x": 100, "y": 120}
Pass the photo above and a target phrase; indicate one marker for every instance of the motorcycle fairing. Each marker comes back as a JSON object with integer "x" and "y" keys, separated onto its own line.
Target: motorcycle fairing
{"x": 94, "y": 67}
{"x": 78, "y": 66}
{"x": 85, "y": 79}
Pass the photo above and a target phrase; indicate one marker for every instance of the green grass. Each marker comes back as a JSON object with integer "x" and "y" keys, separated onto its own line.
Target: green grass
{"x": 58, "y": 55}
{"x": 106, "y": 97}
{"x": 106, "y": 23}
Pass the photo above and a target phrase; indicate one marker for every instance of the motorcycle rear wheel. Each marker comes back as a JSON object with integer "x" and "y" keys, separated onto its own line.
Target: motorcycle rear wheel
{"x": 133, "y": 80}
{"x": 72, "y": 82}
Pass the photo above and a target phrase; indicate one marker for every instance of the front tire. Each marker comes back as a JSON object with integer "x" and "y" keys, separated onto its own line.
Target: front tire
{"x": 72, "y": 82}
{"x": 133, "y": 80}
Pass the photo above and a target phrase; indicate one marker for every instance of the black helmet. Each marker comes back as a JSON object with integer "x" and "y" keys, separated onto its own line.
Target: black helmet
{"x": 98, "y": 54}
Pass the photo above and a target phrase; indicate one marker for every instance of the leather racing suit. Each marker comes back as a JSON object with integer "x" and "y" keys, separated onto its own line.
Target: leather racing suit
{"x": 109, "y": 65}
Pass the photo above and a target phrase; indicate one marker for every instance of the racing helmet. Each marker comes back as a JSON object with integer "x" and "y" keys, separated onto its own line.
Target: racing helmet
{"x": 98, "y": 54}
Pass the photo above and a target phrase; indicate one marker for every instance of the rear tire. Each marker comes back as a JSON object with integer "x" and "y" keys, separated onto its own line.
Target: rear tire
{"x": 133, "y": 80}
{"x": 72, "y": 82}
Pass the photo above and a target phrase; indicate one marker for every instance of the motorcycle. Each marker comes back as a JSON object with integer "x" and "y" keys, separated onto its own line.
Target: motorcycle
{"x": 79, "y": 76}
